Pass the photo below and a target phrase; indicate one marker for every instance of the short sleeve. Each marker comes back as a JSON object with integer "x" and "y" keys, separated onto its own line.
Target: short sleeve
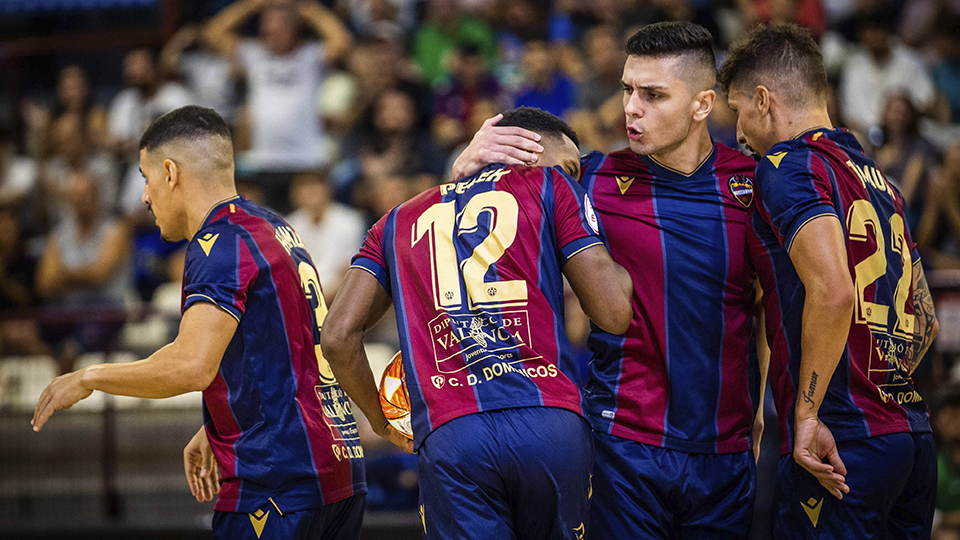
{"x": 575, "y": 221}
{"x": 371, "y": 258}
{"x": 219, "y": 269}
{"x": 794, "y": 189}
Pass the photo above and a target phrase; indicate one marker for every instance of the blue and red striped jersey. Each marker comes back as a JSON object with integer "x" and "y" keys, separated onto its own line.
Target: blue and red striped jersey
{"x": 824, "y": 172}
{"x": 685, "y": 375}
{"x": 474, "y": 270}
{"x": 280, "y": 427}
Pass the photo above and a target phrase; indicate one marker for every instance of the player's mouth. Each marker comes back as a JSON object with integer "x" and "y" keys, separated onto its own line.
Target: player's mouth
{"x": 634, "y": 134}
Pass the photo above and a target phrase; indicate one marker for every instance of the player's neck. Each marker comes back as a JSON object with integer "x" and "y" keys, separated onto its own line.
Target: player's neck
{"x": 200, "y": 204}
{"x": 687, "y": 156}
{"x": 790, "y": 126}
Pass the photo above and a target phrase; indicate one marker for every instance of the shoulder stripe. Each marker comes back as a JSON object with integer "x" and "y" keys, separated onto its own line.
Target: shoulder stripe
{"x": 804, "y": 224}
{"x": 214, "y": 302}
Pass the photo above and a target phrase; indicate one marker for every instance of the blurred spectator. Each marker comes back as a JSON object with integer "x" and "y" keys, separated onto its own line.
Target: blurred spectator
{"x": 17, "y": 267}
{"x": 17, "y": 271}
{"x": 879, "y": 69}
{"x": 604, "y": 66}
{"x": 84, "y": 264}
{"x": 905, "y": 156}
{"x": 378, "y": 64}
{"x": 519, "y": 22}
{"x": 391, "y": 143}
{"x": 444, "y": 29}
{"x": 367, "y": 16}
{"x": 938, "y": 233}
{"x": 208, "y": 76}
{"x": 946, "y": 423}
{"x": 74, "y": 153}
{"x": 283, "y": 75}
{"x": 145, "y": 97}
{"x": 18, "y": 174}
{"x": 72, "y": 97}
{"x": 809, "y": 14}
{"x": 546, "y": 87}
{"x": 946, "y": 75}
{"x": 85, "y": 259}
{"x": 470, "y": 81}
{"x": 332, "y": 232}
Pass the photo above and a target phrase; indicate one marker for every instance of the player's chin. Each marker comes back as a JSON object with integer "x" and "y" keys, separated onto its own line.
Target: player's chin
{"x": 643, "y": 148}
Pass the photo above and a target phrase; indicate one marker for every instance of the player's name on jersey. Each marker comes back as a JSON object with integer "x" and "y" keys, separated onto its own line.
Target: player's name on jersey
{"x": 289, "y": 238}
{"x": 462, "y": 187}
{"x": 870, "y": 176}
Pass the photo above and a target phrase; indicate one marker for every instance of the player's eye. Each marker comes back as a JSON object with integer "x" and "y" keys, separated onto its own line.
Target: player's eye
{"x": 627, "y": 89}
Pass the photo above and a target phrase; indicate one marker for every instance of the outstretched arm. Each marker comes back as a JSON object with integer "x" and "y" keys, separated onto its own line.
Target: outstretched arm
{"x": 360, "y": 303}
{"x": 188, "y": 364}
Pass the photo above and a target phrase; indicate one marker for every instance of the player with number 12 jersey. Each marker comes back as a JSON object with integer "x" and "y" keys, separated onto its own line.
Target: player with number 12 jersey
{"x": 474, "y": 272}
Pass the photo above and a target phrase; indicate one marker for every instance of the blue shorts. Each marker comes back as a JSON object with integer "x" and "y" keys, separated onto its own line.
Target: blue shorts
{"x": 642, "y": 491}
{"x": 893, "y": 485}
{"x": 513, "y": 473}
{"x": 335, "y": 521}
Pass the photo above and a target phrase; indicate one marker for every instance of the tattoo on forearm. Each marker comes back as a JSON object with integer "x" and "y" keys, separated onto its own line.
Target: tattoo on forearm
{"x": 808, "y": 394}
{"x": 923, "y": 332}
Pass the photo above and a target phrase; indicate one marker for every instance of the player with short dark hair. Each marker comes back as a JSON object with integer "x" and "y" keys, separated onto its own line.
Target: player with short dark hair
{"x": 475, "y": 272}
{"x": 282, "y": 432}
{"x": 673, "y": 401}
{"x": 849, "y": 313}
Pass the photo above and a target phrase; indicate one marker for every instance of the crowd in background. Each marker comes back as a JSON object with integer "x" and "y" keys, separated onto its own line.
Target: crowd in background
{"x": 342, "y": 111}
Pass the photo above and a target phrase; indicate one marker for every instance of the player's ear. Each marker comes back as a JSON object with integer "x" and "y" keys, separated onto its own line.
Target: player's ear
{"x": 761, "y": 100}
{"x": 704, "y": 104}
{"x": 171, "y": 173}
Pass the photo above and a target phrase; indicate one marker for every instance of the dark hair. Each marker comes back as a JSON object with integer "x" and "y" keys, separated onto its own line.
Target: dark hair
{"x": 786, "y": 53}
{"x": 190, "y": 122}
{"x": 538, "y": 121}
{"x": 674, "y": 39}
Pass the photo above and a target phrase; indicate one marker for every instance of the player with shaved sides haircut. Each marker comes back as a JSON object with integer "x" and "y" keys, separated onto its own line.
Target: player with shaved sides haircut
{"x": 849, "y": 312}
{"x": 284, "y": 465}
{"x": 673, "y": 402}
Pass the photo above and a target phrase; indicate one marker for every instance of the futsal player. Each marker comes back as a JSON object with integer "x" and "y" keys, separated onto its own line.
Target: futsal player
{"x": 281, "y": 430}
{"x": 475, "y": 272}
{"x": 673, "y": 402}
{"x": 847, "y": 305}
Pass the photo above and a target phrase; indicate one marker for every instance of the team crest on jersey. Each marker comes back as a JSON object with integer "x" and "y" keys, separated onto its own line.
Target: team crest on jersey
{"x": 591, "y": 215}
{"x": 741, "y": 188}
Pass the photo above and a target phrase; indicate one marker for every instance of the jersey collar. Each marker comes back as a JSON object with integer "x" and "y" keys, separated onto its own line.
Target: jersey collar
{"x": 213, "y": 209}
{"x": 662, "y": 170}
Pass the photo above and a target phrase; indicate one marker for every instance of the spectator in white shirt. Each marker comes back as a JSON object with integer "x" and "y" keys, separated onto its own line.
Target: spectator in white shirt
{"x": 882, "y": 67}
{"x": 283, "y": 75}
{"x": 332, "y": 232}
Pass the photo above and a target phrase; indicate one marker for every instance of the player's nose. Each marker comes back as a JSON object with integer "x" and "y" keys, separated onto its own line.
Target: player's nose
{"x": 632, "y": 106}
{"x": 145, "y": 197}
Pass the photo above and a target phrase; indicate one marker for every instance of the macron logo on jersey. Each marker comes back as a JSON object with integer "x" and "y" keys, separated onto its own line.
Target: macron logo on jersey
{"x": 207, "y": 242}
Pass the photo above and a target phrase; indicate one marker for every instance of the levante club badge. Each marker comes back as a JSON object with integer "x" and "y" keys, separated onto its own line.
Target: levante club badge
{"x": 741, "y": 188}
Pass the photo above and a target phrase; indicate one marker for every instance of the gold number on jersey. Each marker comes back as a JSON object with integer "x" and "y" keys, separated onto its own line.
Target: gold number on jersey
{"x": 862, "y": 215}
{"x": 311, "y": 288}
{"x": 442, "y": 225}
